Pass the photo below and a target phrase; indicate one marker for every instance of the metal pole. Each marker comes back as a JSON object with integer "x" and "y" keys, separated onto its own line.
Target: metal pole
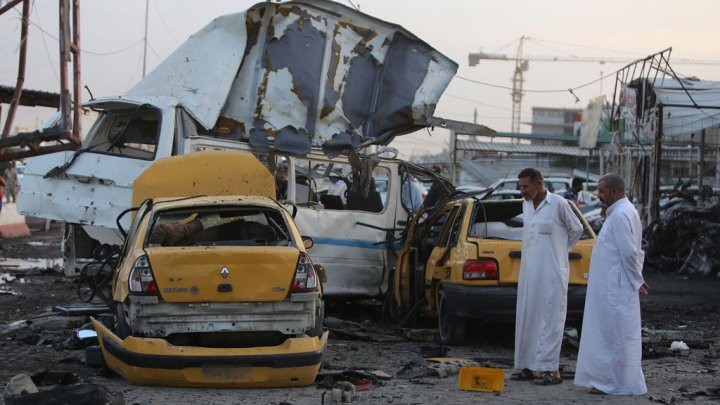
{"x": 64, "y": 39}
{"x": 77, "y": 82}
{"x": 701, "y": 159}
{"x": 147, "y": 5}
{"x": 655, "y": 213}
{"x": 453, "y": 155}
{"x": 21, "y": 69}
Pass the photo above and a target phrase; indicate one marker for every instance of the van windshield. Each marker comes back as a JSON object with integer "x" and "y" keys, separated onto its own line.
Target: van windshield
{"x": 131, "y": 132}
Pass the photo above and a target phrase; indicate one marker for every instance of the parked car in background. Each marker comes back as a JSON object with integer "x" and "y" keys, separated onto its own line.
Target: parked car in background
{"x": 217, "y": 290}
{"x": 474, "y": 190}
{"x": 554, "y": 184}
{"x": 463, "y": 262}
{"x": 504, "y": 195}
{"x": 557, "y": 185}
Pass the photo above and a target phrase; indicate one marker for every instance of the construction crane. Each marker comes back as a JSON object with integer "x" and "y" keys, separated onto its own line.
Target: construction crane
{"x": 522, "y": 65}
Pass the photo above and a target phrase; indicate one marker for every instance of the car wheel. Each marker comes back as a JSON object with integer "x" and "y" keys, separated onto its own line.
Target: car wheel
{"x": 390, "y": 308}
{"x": 451, "y": 327}
{"x": 122, "y": 329}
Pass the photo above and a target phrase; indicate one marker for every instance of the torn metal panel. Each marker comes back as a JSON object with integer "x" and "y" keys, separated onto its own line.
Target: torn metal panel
{"x": 301, "y": 74}
{"x": 200, "y": 72}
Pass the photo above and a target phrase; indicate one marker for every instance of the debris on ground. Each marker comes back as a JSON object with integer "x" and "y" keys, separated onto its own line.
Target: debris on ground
{"x": 678, "y": 346}
{"x": 440, "y": 367}
{"x": 354, "y": 331}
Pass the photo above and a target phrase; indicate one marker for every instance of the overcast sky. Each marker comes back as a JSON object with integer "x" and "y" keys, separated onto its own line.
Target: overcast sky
{"x": 113, "y": 31}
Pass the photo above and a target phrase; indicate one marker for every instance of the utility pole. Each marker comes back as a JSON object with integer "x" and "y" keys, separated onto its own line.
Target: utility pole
{"x": 147, "y": 6}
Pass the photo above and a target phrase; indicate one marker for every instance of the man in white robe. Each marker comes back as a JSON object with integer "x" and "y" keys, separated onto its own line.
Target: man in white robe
{"x": 610, "y": 354}
{"x": 550, "y": 229}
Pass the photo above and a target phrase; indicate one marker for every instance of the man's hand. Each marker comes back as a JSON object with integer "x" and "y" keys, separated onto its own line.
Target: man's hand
{"x": 644, "y": 288}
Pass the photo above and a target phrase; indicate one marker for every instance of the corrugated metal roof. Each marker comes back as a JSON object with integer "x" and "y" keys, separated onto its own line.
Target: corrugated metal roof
{"x": 522, "y": 148}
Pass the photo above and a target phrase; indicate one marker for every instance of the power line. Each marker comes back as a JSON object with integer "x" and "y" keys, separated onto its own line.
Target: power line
{"x": 634, "y": 53}
{"x": 539, "y": 91}
{"x": 47, "y": 52}
{"x": 167, "y": 28}
{"x": 85, "y": 51}
{"x": 477, "y": 102}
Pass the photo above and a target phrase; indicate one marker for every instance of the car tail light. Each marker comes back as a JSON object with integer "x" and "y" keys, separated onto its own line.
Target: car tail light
{"x": 305, "y": 277}
{"x": 480, "y": 269}
{"x": 141, "y": 277}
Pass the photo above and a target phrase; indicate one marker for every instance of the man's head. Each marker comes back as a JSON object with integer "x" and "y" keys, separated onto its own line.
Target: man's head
{"x": 611, "y": 188}
{"x": 577, "y": 184}
{"x": 531, "y": 183}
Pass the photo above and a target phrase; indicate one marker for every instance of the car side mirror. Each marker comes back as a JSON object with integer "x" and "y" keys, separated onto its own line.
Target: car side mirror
{"x": 308, "y": 242}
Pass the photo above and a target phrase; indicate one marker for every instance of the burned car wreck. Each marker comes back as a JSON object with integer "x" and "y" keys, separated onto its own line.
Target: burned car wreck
{"x": 684, "y": 239}
{"x": 213, "y": 289}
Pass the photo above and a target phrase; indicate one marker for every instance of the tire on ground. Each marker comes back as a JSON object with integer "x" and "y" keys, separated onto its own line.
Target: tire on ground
{"x": 451, "y": 328}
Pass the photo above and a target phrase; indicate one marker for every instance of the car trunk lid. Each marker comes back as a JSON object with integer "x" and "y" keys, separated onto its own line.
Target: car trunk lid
{"x": 223, "y": 274}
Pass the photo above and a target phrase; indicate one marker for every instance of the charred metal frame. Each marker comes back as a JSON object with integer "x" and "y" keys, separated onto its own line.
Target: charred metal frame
{"x": 67, "y": 136}
{"x": 649, "y": 69}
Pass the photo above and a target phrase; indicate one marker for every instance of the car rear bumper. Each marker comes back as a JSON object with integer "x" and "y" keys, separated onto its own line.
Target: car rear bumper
{"x": 159, "y": 319}
{"x": 149, "y": 361}
{"x": 498, "y": 303}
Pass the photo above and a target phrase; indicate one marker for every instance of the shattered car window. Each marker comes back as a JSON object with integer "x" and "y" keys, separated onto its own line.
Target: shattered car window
{"x": 128, "y": 132}
{"x": 230, "y": 226}
{"x": 503, "y": 219}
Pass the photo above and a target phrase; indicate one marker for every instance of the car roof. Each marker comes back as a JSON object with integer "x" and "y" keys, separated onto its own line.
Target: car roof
{"x": 207, "y": 201}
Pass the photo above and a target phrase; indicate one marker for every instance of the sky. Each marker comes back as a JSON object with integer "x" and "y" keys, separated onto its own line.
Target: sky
{"x": 113, "y": 31}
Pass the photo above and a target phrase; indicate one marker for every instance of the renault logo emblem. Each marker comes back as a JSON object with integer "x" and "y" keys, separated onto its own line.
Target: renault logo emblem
{"x": 224, "y": 272}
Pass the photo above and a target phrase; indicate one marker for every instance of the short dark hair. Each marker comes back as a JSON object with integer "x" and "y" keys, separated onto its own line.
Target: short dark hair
{"x": 613, "y": 182}
{"x": 534, "y": 175}
{"x": 577, "y": 181}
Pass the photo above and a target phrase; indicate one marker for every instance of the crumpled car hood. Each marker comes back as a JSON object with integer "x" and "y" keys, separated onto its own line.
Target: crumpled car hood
{"x": 304, "y": 74}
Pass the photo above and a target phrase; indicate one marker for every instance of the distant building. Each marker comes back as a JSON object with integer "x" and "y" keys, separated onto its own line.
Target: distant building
{"x": 556, "y": 121}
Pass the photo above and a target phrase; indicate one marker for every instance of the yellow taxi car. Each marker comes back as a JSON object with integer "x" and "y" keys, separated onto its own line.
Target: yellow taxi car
{"x": 462, "y": 261}
{"x": 215, "y": 290}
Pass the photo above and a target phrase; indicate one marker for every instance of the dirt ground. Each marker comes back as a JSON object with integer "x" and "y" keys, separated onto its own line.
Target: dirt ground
{"x": 679, "y": 308}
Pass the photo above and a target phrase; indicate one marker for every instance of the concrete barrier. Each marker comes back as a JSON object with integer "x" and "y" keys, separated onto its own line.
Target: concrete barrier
{"x": 12, "y": 224}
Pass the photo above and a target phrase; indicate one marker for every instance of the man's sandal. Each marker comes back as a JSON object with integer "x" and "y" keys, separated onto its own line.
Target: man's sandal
{"x": 596, "y": 391}
{"x": 523, "y": 375}
{"x": 548, "y": 378}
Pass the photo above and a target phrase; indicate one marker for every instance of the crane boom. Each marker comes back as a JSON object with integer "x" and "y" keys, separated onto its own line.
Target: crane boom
{"x": 475, "y": 58}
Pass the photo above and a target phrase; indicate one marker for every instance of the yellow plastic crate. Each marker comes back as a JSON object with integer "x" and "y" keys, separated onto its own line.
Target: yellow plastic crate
{"x": 481, "y": 379}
